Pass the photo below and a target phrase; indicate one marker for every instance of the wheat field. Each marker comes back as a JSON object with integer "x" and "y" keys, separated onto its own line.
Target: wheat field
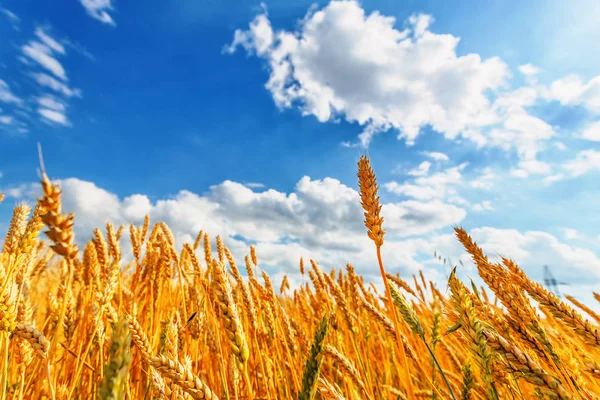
{"x": 82, "y": 324}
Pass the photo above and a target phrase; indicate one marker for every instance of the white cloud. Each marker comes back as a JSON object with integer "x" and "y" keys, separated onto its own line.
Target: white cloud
{"x": 54, "y": 92}
{"x": 571, "y": 234}
{"x": 342, "y": 62}
{"x": 14, "y": 20}
{"x": 435, "y": 186}
{"x": 49, "y": 41}
{"x": 421, "y": 170}
{"x": 42, "y": 54}
{"x": 436, "y": 156}
{"x": 483, "y": 206}
{"x": 529, "y": 69}
{"x": 99, "y": 9}
{"x": 484, "y": 181}
{"x": 6, "y": 119}
{"x": 6, "y": 95}
{"x": 25, "y": 190}
{"x": 533, "y": 249}
{"x": 584, "y": 162}
{"x": 53, "y": 116}
{"x": 54, "y": 84}
{"x": 313, "y": 222}
{"x": 322, "y": 219}
{"x": 554, "y": 178}
{"x": 51, "y": 103}
{"x": 254, "y": 185}
{"x": 571, "y": 90}
{"x": 560, "y": 146}
{"x": 520, "y": 130}
{"x": 592, "y": 132}
{"x": 531, "y": 167}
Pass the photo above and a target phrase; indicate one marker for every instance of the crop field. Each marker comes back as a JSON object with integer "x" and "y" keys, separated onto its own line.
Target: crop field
{"x": 183, "y": 322}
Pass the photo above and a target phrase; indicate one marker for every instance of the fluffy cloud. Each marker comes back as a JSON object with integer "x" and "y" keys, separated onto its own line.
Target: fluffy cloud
{"x": 573, "y": 91}
{"x": 571, "y": 234}
{"x": 592, "y": 132}
{"x": 586, "y": 161}
{"x": 531, "y": 167}
{"x": 421, "y": 170}
{"x": 520, "y": 130}
{"x": 321, "y": 218}
{"x": 531, "y": 250}
{"x": 426, "y": 187}
{"x": 342, "y": 62}
{"x": 485, "y": 181}
{"x": 529, "y": 69}
{"x": 99, "y": 9}
{"x": 535, "y": 249}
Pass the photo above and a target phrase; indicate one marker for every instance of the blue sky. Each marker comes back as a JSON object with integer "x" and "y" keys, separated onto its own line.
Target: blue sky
{"x": 250, "y": 118}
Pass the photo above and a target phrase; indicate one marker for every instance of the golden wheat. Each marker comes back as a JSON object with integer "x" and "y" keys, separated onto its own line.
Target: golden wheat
{"x": 67, "y": 320}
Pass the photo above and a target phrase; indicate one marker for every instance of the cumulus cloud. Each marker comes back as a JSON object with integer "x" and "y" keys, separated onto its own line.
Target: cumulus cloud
{"x": 529, "y": 69}
{"x": 584, "y": 162}
{"x": 572, "y": 90}
{"x": 99, "y": 10}
{"x": 485, "y": 181}
{"x": 571, "y": 234}
{"x": 22, "y": 191}
{"x": 592, "y": 132}
{"x": 534, "y": 249}
{"x": 560, "y": 146}
{"x": 421, "y": 170}
{"x": 554, "y": 178}
{"x": 531, "y": 167}
{"x": 343, "y": 62}
{"x": 519, "y": 130}
{"x": 320, "y": 218}
{"x": 426, "y": 187}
